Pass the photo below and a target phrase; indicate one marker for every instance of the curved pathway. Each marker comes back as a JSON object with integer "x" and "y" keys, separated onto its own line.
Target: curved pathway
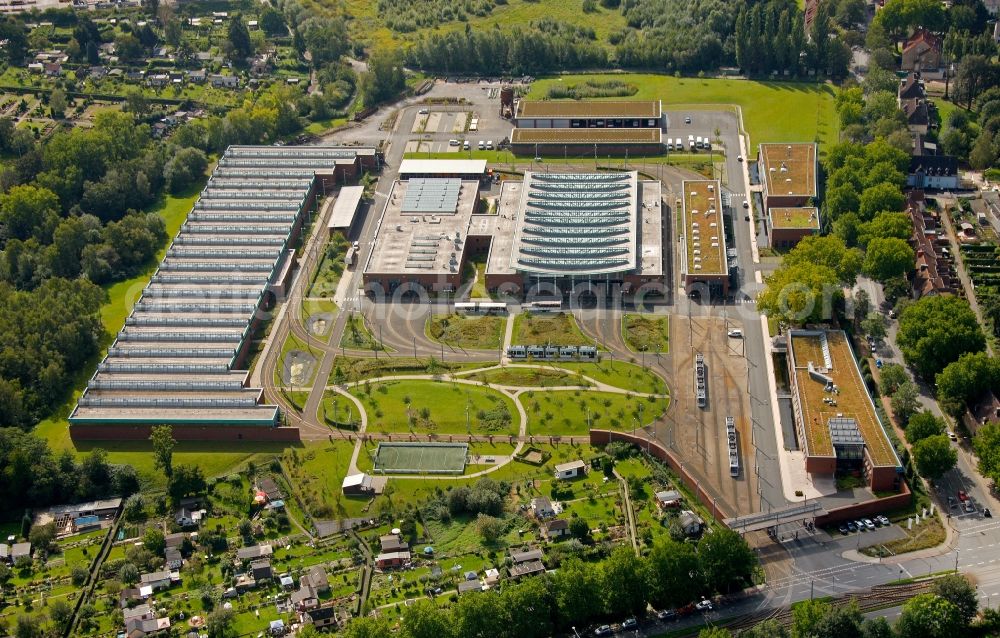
{"x": 512, "y": 392}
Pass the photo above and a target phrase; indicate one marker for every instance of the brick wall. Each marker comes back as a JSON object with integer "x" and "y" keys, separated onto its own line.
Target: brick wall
{"x": 185, "y": 433}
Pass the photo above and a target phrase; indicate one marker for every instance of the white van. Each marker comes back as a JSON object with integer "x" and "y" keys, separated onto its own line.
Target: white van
{"x": 670, "y": 145}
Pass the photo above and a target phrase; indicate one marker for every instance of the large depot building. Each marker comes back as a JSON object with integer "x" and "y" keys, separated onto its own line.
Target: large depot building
{"x": 551, "y": 233}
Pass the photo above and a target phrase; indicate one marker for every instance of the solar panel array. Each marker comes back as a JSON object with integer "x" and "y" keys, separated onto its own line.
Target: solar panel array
{"x": 578, "y": 223}
{"x": 432, "y": 195}
{"x": 173, "y": 360}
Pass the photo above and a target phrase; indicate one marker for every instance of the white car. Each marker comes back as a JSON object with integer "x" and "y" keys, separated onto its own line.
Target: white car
{"x": 703, "y": 605}
{"x": 736, "y": 333}
{"x": 453, "y": 142}
{"x": 489, "y": 145}
{"x": 739, "y": 158}
{"x": 482, "y": 145}
{"x": 423, "y": 111}
{"x": 465, "y": 145}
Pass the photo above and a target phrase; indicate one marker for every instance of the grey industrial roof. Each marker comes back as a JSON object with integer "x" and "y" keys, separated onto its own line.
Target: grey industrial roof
{"x": 172, "y": 361}
{"x": 432, "y": 195}
{"x": 346, "y": 206}
{"x": 576, "y": 223}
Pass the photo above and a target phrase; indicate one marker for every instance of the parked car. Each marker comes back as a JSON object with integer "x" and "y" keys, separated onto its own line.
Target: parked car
{"x": 860, "y": 525}
{"x": 892, "y": 314}
{"x": 687, "y": 120}
{"x": 489, "y": 145}
{"x": 670, "y": 614}
{"x": 878, "y": 363}
{"x": 465, "y": 145}
{"x": 482, "y": 145}
{"x": 423, "y": 111}
{"x": 703, "y": 605}
{"x": 883, "y": 520}
{"x": 739, "y": 158}
{"x": 603, "y": 630}
{"x": 453, "y": 142}
{"x": 952, "y": 435}
{"x": 987, "y": 513}
{"x": 969, "y": 507}
{"x": 843, "y": 530}
{"x": 736, "y": 333}
{"x": 869, "y": 525}
{"x": 962, "y": 496}
{"x": 851, "y": 527}
{"x": 630, "y": 623}
{"x": 746, "y": 203}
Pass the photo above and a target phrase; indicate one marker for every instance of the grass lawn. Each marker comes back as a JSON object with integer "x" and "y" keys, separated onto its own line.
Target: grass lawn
{"x": 558, "y": 329}
{"x": 930, "y": 533}
{"x": 330, "y": 269}
{"x": 528, "y": 377}
{"x": 565, "y": 412}
{"x": 358, "y": 336}
{"x": 338, "y": 410}
{"x": 435, "y": 406}
{"x": 619, "y": 374}
{"x": 945, "y": 108}
{"x": 366, "y": 460}
{"x": 478, "y": 333}
{"x": 317, "y": 472}
{"x": 763, "y": 103}
{"x": 646, "y": 333}
{"x": 347, "y": 369}
{"x": 369, "y": 27}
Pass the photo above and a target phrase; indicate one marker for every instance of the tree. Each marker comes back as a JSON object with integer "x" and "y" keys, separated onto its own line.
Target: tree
{"x": 579, "y": 528}
{"x": 128, "y": 573}
{"x": 185, "y": 481}
{"x": 162, "y": 437}
{"x": 624, "y": 578}
{"x": 221, "y": 623}
{"x": 905, "y": 401}
{"x": 185, "y": 168}
{"x": 153, "y": 540}
{"x": 368, "y": 627}
{"x": 768, "y": 629}
{"x": 956, "y": 589}
{"x": 576, "y": 586}
{"x": 880, "y": 197}
{"x": 965, "y": 380}
{"x": 934, "y": 331}
{"x": 922, "y": 425}
{"x": 862, "y": 304}
{"x": 801, "y": 293}
{"x": 888, "y": 257}
{"x": 240, "y": 44}
{"x": 385, "y": 78}
{"x": 726, "y": 560}
{"x": 876, "y": 628}
{"x": 934, "y": 456}
{"x": 424, "y": 619}
{"x": 874, "y": 325}
{"x": 987, "y": 446}
{"x": 61, "y": 614}
{"x": 134, "y": 508}
{"x": 479, "y": 614}
{"x": 490, "y": 528}
{"x": 58, "y": 103}
{"x": 929, "y": 616}
{"x": 272, "y": 22}
{"x": 28, "y": 627}
{"x": 136, "y": 102}
{"x": 29, "y": 211}
{"x": 675, "y": 577}
{"x": 839, "y": 622}
{"x": 829, "y": 251}
{"x": 885, "y": 224}
{"x": 806, "y": 617}
{"x": 41, "y": 536}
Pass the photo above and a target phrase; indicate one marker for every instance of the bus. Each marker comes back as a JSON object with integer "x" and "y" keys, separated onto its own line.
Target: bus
{"x": 544, "y": 306}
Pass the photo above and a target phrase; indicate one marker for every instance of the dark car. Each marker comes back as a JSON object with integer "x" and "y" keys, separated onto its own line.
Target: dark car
{"x": 987, "y": 513}
{"x": 851, "y": 527}
{"x": 843, "y": 530}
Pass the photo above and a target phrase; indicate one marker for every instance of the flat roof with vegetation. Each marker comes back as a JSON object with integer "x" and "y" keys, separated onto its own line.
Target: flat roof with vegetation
{"x": 805, "y": 217}
{"x": 589, "y": 108}
{"x": 831, "y": 355}
{"x": 705, "y": 237}
{"x": 586, "y": 136}
{"x": 789, "y": 169}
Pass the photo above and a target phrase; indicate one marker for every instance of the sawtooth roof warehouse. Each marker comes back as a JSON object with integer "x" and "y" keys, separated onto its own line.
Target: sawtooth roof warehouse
{"x": 551, "y": 233}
